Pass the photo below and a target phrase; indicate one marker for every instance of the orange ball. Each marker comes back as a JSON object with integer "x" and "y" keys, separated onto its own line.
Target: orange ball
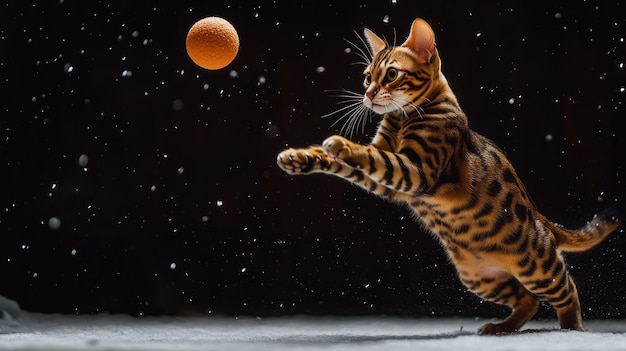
{"x": 212, "y": 43}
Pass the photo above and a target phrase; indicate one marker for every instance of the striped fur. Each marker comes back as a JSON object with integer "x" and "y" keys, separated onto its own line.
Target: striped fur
{"x": 458, "y": 183}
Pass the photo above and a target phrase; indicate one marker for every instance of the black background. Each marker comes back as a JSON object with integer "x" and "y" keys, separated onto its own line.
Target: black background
{"x": 181, "y": 207}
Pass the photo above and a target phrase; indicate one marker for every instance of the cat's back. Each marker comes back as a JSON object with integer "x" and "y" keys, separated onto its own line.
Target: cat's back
{"x": 476, "y": 176}
{"x": 487, "y": 160}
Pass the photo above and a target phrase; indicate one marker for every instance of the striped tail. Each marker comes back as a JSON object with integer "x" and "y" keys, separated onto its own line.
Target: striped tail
{"x": 587, "y": 236}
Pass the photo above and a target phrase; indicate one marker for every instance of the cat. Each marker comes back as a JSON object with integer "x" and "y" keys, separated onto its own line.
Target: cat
{"x": 457, "y": 183}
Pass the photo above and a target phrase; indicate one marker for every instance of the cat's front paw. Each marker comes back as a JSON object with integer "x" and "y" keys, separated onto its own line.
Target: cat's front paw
{"x": 298, "y": 161}
{"x": 338, "y": 148}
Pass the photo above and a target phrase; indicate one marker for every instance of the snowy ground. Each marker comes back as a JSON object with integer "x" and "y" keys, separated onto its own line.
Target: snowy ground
{"x": 105, "y": 332}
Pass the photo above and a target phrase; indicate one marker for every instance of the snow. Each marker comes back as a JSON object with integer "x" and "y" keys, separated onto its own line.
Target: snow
{"x": 34, "y": 331}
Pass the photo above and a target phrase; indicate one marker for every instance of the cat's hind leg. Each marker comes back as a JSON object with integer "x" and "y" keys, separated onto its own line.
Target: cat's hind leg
{"x": 509, "y": 292}
{"x": 546, "y": 276}
{"x": 560, "y": 291}
{"x": 569, "y": 315}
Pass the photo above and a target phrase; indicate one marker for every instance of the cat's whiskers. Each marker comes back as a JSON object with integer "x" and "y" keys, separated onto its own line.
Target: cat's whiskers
{"x": 354, "y": 115}
{"x": 364, "y": 54}
{"x": 399, "y": 108}
{"x": 354, "y": 119}
{"x": 401, "y": 103}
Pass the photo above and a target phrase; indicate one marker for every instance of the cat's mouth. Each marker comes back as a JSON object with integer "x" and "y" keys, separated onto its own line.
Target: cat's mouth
{"x": 378, "y": 107}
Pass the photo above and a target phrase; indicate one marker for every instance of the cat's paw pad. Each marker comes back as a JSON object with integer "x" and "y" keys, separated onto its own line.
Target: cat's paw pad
{"x": 496, "y": 328}
{"x": 295, "y": 161}
{"x": 337, "y": 147}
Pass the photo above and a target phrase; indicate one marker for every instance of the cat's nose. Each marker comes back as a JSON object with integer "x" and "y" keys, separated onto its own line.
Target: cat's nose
{"x": 371, "y": 94}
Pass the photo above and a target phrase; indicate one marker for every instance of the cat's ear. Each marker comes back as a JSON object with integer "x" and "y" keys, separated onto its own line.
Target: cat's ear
{"x": 421, "y": 40}
{"x": 376, "y": 44}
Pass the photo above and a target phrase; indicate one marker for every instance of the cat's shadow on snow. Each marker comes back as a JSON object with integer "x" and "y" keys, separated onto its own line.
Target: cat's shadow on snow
{"x": 355, "y": 338}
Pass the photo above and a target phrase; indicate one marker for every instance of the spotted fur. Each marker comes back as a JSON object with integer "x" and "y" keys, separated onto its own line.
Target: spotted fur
{"x": 458, "y": 183}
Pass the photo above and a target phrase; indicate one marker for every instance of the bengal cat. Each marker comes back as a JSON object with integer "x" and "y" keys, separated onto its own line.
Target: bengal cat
{"x": 458, "y": 184}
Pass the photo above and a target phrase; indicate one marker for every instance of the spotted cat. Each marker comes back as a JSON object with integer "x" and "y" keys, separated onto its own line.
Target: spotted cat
{"x": 458, "y": 184}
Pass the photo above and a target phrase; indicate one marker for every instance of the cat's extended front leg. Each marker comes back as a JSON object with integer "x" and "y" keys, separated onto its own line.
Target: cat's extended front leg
{"x": 390, "y": 171}
{"x": 304, "y": 161}
{"x": 344, "y": 150}
{"x": 334, "y": 156}
{"x": 316, "y": 159}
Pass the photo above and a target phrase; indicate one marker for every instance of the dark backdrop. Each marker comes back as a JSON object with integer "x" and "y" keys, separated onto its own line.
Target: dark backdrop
{"x": 177, "y": 206}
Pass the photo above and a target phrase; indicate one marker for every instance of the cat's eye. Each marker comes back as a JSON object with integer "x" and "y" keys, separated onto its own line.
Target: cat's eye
{"x": 392, "y": 74}
{"x": 368, "y": 79}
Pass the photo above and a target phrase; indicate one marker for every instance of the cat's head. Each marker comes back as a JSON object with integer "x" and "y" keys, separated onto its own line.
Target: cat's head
{"x": 398, "y": 77}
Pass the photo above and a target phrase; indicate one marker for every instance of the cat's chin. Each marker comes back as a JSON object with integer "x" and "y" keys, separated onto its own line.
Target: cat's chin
{"x": 379, "y": 109}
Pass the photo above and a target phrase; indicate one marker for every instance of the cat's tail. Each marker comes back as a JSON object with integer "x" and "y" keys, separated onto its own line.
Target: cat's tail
{"x": 587, "y": 236}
